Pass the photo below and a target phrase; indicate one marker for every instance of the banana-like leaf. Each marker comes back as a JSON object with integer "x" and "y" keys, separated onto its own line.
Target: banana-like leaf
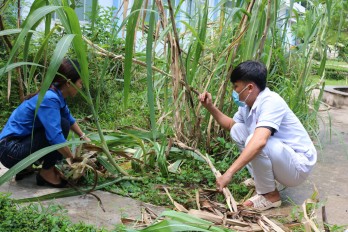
{"x": 131, "y": 26}
{"x": 32, "y": 158}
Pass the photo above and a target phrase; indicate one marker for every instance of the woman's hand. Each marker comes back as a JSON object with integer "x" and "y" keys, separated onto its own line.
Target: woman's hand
{"x": 206, "y": 99}
{"x": 85, "y": 138}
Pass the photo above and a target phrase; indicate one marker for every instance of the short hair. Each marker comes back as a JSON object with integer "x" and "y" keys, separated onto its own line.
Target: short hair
{"x": 250, "y": 71}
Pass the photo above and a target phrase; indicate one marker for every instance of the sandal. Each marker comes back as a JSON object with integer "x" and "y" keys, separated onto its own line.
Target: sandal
{"x": 40, "y": 181}
{"x": 250, "y": 183}
{"x": 261, "y": 203}
{"x": 24, "y": 173}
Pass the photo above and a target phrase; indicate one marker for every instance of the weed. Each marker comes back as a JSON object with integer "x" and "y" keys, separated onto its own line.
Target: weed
{"x": 36, "y": 217}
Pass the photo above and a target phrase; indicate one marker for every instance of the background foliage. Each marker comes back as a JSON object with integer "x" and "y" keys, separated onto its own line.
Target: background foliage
{"x": 148, "y": 79}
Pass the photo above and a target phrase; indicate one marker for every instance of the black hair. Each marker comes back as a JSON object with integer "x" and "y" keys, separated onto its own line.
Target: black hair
{"x": 250, "y": 71}
{"x": 68, "y": 70}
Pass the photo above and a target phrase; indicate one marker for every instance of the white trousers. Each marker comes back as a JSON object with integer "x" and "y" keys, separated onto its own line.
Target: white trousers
{"x": 274, "y": 162}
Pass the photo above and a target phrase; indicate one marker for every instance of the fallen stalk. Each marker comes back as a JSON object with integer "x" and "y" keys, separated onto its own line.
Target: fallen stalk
{"x": 232, "y": 205}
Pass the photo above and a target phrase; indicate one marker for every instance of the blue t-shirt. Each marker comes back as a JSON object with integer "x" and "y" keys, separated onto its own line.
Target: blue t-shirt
{"x": 53, "y": 107}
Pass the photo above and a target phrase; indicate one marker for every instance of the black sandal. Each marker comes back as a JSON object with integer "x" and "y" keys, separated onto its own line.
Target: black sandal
{"x": 24, "y": 173}
{"x": 40, "y": 181}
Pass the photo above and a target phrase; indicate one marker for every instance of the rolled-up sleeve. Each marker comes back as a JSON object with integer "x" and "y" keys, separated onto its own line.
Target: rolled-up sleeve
{"x": 66, "y": 114}
{"x": 272, "y": 114}
{"x": 50, "y": 117}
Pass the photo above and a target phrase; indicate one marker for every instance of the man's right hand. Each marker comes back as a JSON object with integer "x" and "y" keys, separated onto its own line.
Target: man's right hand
{"x": 206, "y": 99}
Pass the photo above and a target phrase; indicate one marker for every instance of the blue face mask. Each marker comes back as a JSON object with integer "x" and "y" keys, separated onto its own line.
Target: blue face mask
{"x": 235, "y": 97}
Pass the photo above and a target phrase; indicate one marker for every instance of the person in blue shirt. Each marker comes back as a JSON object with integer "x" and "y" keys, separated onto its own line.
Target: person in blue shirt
{"x": 24, "y": 133}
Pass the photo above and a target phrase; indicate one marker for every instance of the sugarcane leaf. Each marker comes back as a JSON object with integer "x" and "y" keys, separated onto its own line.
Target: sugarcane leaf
{"x": 67, "y": 193}
{"x": 107, "y": 165}
{"x": 15, "y": 65}
{"x": 31, "y": 20}
{"x": 32, "y": 158}
{"x": 13, "y": 31}
{"x": 131, "y": 26}
{"x": 58, "y": 55}
{"x": 150, "y": 91}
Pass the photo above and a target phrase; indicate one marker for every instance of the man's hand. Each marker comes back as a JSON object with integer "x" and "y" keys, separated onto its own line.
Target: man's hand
{"x": 206, "y": 99}
{"x": 222, "y": 181}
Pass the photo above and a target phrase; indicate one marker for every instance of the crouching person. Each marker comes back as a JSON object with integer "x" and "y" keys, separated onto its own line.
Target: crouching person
{"x": 274, "y": 144}
{"x": 24, "y": 133}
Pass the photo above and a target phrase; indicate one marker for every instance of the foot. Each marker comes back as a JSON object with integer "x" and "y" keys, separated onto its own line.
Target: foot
{"x": 50, "y": 175}
{"x": 271, "y": 196}
{"x": 24, "y": 173}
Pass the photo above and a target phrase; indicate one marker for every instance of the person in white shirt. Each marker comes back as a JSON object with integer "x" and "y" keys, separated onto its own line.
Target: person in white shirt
{"x": 274, "y": 144}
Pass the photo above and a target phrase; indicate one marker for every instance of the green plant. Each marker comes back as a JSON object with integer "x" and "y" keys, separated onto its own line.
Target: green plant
{"x": 36, "y": 217}
{"x": 161, "y": 98}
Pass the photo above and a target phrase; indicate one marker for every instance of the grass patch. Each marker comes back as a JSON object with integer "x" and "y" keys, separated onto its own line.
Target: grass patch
{"x": 35, "y": 217}
{"x": 315, "y": 79}
{"x": 193, "y": 175}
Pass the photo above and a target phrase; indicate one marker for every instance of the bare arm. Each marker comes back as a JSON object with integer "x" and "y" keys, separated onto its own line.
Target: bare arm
{"x": 77, "y": 130}
{"x": 223, "y": 120}
{"x": 65, "y": 151}
{"x": 255, "y": 145}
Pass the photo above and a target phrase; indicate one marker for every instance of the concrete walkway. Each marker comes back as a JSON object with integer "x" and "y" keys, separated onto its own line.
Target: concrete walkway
{"x": 330, "y": 176}
{"x": 83, "y": 208}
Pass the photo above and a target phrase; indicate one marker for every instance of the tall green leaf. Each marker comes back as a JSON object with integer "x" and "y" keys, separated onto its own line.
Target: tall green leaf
{"x": 36, "y": 5}
{"x": 79, "y": 45}
{"x": 32, "y": 19}
{"x": 131, "y": 26}
{"x": 58, "y": 55}
{"x": 15, "y": 65}
{"x": 94, "y": 13}
{"x": 12, "y": 31}
{"x": 38, "y": 56}
{"x": 199, "y": 43}
{"x": 149, "y": 79}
